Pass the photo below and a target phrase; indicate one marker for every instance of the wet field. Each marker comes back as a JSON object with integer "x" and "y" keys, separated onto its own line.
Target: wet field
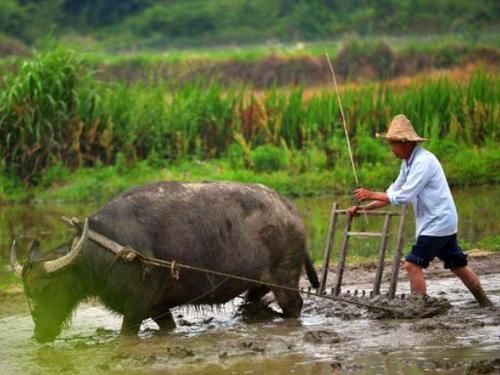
{"x": 329, "y": 337}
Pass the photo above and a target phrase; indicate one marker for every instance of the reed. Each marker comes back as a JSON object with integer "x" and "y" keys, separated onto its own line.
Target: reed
{"x": 39, "y": 107}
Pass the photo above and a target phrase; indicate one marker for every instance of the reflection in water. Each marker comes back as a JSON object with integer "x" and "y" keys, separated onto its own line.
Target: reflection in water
{"x": 43, "y": 222}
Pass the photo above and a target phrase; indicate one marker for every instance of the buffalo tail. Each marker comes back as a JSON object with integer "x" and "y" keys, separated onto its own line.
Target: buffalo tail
{"x": 311, "y": 273}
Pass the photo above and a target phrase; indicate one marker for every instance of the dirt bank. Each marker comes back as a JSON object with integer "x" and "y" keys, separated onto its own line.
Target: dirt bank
{"x": 381, "y": 63}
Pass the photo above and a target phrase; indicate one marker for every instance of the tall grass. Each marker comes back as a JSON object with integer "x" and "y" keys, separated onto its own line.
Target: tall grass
{"x": 39, "y": 114}
{"x": 54, "y": 112}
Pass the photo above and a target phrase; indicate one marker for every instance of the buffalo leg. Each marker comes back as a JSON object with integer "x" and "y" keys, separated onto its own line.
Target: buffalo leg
{"x": 289, "y": 301}
{"x": 255, "y": 294}
{"x": 130, "y": 325}
{"x": 165, "y": 320}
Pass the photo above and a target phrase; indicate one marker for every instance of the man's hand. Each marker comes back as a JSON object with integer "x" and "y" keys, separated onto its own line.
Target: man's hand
{"x": 361, "y": 194}
{"x": 353, "y": 211}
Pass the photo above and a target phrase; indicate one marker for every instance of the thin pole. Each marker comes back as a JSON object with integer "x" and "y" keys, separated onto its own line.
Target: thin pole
{"x": 398, "y": 254}
{"x": 343, "y": 119}
{"x": 343, "y": 256}
{"x": 328, "y": 247}
{"x": 381, "y": 255}
{"x": 345, "y": 125}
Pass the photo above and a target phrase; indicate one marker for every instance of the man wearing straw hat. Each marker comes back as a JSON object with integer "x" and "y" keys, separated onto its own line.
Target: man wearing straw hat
{"x": 422, "y": 182}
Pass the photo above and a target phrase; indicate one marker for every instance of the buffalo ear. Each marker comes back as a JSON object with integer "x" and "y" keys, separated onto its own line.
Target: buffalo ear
{"x": 34, "y": 251}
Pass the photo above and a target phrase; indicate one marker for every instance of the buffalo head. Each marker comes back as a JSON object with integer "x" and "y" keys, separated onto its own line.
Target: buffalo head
{"x": 50, "y": 285}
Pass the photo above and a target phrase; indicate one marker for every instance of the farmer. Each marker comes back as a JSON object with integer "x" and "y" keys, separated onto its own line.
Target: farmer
{"x": 422, "y": 182}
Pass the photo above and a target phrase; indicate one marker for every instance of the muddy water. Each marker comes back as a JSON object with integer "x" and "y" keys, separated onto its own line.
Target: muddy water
{"x": 328, "y": 336}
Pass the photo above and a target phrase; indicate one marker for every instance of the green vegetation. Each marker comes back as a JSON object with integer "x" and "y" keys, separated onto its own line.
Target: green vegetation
{"x": 68, "y": 136}
{"x": 355, "y": 60}
{"x": 148, "y": 23}
{"x": 37, "y": 109}
{"x": 8, "y": 281}
{"x": 454, "y": 45}
{"x": 100, "y": 183}
{"x": 149, "y": 98}
{"x": 57, "y": 117}
{"x": 491, "y": 243}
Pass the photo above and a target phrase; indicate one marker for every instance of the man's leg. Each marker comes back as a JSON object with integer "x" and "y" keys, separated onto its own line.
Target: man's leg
{"x": 421, "y": 254}
{"x": 471, "y": 281}
{"x": 417, "y": 279}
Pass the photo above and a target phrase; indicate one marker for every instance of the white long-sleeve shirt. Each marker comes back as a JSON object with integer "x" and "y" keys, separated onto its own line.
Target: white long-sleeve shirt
{"x": 422, "y": 182}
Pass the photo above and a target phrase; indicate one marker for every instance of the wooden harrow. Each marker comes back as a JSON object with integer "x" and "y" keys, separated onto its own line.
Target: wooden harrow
{"x": 347, "y": 234}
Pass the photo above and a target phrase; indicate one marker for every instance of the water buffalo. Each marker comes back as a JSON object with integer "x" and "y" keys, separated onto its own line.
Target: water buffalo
{"x": 242, "y": 229}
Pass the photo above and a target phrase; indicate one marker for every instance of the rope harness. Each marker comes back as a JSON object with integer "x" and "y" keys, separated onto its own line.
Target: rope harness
{"x": 129, "y": 254}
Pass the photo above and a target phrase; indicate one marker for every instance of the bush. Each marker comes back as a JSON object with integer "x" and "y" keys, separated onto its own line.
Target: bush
{"x": 382, "y": 59}
{"x": 473, "y": 166}
{"x": 10, "y": 46}
{"x": 370, "y": 150}
{"x": 53, "y": 175}
{"x": 235, "y": 156}
{"x": 269, "y": 158}
{"x": 307, "y": 160}
{"x": 491, "y": 243}
{"x": 121, "y": 163}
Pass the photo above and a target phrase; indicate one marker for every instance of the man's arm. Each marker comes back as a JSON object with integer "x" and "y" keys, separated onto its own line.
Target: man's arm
{"x": 379, "y": 200}
{"x": 364, "y": 194}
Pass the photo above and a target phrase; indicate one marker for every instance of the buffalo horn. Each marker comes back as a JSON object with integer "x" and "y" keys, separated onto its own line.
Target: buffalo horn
{"x": 14, "y": 264}
{"x": 34, "y": 251}
{"x": 57, "y": 264}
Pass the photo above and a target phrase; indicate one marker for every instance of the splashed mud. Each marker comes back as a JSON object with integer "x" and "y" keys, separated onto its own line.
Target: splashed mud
{"x": 381, "y": 307}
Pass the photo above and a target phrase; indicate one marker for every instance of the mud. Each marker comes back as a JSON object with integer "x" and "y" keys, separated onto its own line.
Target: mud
{"x": 484, "y": 367}
{"x": 330, "y": 337}
{"x": 12, "y": 302}
{"x": 382, "y": 307}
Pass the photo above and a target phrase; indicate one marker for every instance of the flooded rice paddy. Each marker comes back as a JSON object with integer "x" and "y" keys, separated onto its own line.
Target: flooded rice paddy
{"x": 330, "y": 337}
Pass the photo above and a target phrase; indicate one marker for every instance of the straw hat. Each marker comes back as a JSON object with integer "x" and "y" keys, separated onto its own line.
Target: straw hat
{"x": 401, "y": 130}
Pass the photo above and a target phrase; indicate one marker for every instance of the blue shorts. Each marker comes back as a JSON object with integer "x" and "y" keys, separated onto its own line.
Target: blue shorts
{"x": 445, "y": 248}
